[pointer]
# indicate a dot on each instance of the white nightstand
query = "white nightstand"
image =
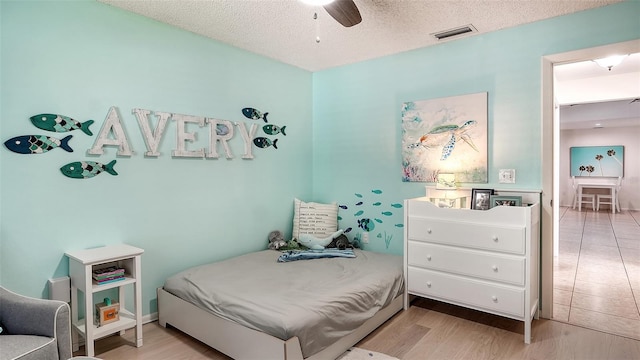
(81, 265)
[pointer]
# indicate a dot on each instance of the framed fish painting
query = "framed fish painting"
(445, 135)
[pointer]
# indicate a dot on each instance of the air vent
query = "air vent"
(454, 32)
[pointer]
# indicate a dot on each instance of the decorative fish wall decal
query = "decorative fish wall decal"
(263, 142)
(87, 169)
(60, 123)
(251, 113)
(37, 144)
(274, 129)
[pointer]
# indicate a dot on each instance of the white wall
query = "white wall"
(629, 137)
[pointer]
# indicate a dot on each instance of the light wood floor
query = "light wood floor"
(597, 272)
(428, 330)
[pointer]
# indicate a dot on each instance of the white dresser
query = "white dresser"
(485, 260)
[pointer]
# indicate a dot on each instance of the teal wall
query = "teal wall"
(357, 120)
(79, 58)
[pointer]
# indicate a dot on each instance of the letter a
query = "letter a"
(112, 124)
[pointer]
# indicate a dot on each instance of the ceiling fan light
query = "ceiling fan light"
(317, 2)
(610, 61)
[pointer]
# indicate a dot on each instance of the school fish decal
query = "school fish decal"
(87, 169)
(60, 123)
(37, 144)
(268, 129)
(263, 142)
(253, 114)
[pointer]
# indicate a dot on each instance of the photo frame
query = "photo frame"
(480, 199)
(497, 200)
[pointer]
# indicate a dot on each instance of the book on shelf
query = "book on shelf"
(118, 278)
(108, 276)
(107, 272)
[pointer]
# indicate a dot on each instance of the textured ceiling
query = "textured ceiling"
(285, 30)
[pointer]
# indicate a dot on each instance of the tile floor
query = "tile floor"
(597, 272)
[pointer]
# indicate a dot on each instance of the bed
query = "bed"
(254, 307)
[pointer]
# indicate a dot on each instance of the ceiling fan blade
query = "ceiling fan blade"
(345, 12)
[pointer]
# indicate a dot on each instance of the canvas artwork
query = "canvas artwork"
(597, 161)
(445, 135)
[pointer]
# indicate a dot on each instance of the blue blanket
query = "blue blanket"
(294, 255)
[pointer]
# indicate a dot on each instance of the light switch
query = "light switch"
(507, 176)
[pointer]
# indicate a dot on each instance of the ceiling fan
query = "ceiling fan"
(343, 11)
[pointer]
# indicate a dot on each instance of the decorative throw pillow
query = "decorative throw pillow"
(319, 220)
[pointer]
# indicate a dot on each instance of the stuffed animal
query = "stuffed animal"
(341, 243)
(276, 240)
(315, 243)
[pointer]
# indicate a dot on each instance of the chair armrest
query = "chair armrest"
(23, 315)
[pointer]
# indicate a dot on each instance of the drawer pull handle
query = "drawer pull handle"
(495, 268)
(428, 284)
(495, 238)
(494, 298)
(429, 257)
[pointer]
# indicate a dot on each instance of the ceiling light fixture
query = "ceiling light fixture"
(610, 61)
(317, 2)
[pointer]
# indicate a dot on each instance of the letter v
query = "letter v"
(151, 140)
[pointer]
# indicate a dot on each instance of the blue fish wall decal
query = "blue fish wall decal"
(37, 144)
(87, 169)
(263, 142)
(253, 114)
(60, 123)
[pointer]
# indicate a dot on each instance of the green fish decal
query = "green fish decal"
(87, 169)
(274, 129)
(60, 123)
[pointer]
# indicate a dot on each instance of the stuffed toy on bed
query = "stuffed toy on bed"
(341, 243)
(276, 240)
(315, 243)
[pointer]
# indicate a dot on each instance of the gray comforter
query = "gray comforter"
(319, 300)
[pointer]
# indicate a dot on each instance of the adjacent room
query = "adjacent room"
(240, 179)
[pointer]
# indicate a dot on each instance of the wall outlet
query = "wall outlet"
(365, 237)
(507, 176)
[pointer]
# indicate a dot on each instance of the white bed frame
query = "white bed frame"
(240, 342)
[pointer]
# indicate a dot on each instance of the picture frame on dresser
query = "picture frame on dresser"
(497, 200)
(480, 199)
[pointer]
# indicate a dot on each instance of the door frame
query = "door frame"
(550, 131)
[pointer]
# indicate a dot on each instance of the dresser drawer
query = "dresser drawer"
(477, 294)
(486, 237)
(494, 267)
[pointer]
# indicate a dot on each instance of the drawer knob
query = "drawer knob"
(428, 284)
(429, 257)
(428, 231)
(495, 238)
(495, 268)
(494, 298)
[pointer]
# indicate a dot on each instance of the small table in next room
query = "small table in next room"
(597, 185)
(81, 266)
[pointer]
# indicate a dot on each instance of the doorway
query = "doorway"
(551, 211)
